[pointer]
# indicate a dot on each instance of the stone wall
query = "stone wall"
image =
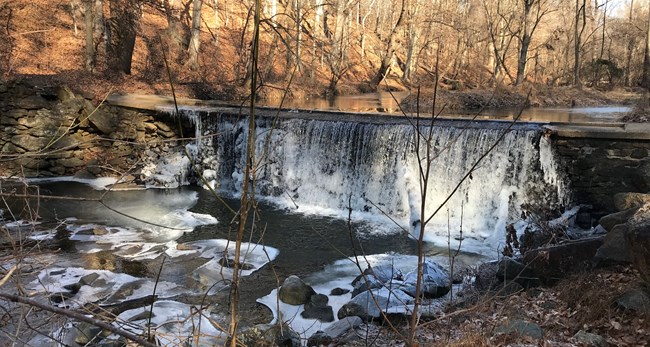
(598, 168)
(50, 131)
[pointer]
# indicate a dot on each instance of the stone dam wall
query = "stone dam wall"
(51, 131)
(601, 161)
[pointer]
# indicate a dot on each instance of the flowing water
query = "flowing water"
(327, 190)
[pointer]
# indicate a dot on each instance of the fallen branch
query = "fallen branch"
(78, 316)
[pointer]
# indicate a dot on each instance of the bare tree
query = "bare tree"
(90, 56)
(645, 80)
(533, 12)
(195, 40)
(579, 28)
(123, 24)
(391, 46)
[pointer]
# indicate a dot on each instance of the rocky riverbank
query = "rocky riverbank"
(51, 131)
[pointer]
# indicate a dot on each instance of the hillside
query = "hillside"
(45, 40)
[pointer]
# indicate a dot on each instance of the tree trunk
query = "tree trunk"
(387, 58)
(125, 16)
(630, 47)
(195, 40)
(580, 12)
(90, 56)
(645, 82)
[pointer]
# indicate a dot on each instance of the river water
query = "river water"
(315, 171)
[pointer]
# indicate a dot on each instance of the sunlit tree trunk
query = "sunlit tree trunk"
(391, 46)
(195, 40)
(90, 54)
(123, 25)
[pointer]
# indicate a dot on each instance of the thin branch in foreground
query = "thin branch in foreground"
(77, 316)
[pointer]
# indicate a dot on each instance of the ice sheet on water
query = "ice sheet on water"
(99, 183)
(222, 252)
(108, 288)
(173, 323)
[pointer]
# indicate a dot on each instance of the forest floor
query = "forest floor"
(584, 302)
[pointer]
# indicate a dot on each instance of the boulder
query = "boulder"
(361, 284)
(317, 308)
(486, 276)
(335, 331)
(103, 121)
(510, 269)
(638, 240)
(521, 328)
(611, 220)
(295, 292)
(384, 273)
(615, 248)
(339, 291)
(371, 303)
(637, 300)
(269, 335)
(555, 262)
(435, 281)
(584, 338)
(626, 201)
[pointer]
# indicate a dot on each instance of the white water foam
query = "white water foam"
(326, 167)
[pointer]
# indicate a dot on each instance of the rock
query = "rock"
(29, 142)
(269, 335)
(339, 291)
(352, 310)
(615, 248)
(435, 281)
(33, 102)
(88, 279)
(103, 121)
(611, 220)
(486, 276)
(636, 300)
(71, 162)
(317, 308)
(584, 338)
(384, 273)
(87, 332)
(371, 303)
(64, 94)
(510, 269)
(638, 239)
(342, 326)
(521, 328)
(557, 261)
(319, 339)
(367, 283)
(626, 201)
(295, 292)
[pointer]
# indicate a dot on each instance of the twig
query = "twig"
(77, 316)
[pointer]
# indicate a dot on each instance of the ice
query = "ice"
(100, 183)
(54, 280)
(213, 274)
(174, 323)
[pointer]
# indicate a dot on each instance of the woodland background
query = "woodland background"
(326, 47)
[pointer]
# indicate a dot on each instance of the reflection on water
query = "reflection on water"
(385, 102)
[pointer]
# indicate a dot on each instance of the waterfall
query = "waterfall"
(326, 167)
